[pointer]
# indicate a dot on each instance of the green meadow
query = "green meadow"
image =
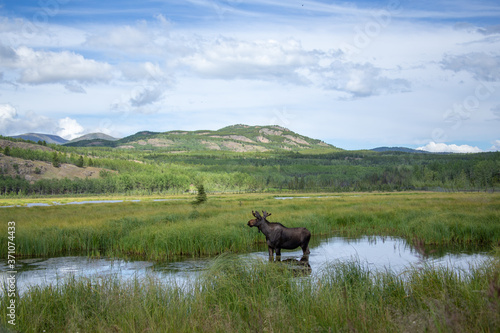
(160, 230)
(237, 296)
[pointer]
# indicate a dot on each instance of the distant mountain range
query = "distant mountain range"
(237, 138)
(399, 149)
(93, 136)
(41, 137)
(49, 138)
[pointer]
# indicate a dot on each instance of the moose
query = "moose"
(280, 237)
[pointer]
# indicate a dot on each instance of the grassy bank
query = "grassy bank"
(236, 296)
(158, 230)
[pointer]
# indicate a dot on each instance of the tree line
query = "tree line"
(143, 172)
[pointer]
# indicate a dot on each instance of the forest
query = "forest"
(126, 171)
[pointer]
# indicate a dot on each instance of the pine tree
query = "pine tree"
(56, 162)
(79, 162)
(202, 195)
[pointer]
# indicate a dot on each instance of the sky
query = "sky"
(355, 74)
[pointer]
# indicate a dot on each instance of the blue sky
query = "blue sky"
(356, 74)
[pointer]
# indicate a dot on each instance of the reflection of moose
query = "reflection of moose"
(280, 237)
(299, 267)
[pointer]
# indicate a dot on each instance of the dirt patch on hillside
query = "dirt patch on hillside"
(234, 137)
(36, 170)
(263, 139)
(156, 142)
(210, 145)
(297, 140)
(269, 131)
(241, 148)
(23, 145)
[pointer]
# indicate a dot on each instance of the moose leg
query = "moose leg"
(278, 253)
(271, 253)
(305, 250)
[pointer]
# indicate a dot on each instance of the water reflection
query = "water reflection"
(299, 267)
(376, 253)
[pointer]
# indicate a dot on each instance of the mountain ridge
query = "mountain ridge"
(94, 136)
(399, 149)
(35, 137)
(236, 138)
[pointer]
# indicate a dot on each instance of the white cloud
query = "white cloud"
(69, 128)
(123, 38)
(360, 80)
(39, 67)
(496, 146)
(229, 58)
(444, 148)
(481, 65)
(7, 113)
(144, 38)
(288, 62)
(74, 87)
(12, 123)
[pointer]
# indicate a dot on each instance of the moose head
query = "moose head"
(259, 219)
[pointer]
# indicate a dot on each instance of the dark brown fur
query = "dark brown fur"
(280, 237)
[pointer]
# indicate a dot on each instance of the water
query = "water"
(375, 253)
(55, 203)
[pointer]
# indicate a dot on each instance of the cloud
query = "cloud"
(145, 38)
(12, 123)
(146, 96)
(40, 67)
(496, 111)
(490, 30)
(360, 80)
(28, 66)
(7, 113)
(228, 58)
(481, 65)
(69, 128)
(444, 148)
(7, 53)
(121, 39)
(287, 61)
(496, 146)
(74, 87)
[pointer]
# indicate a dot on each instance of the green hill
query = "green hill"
(94, 136)
(236, 138)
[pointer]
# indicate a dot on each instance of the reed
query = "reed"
(160, 230)
(240, 296)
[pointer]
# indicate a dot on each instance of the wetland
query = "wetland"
(379, 262)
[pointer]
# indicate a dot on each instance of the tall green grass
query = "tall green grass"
(239, 296)
(159, 230)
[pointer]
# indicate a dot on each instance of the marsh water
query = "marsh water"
(374, 253)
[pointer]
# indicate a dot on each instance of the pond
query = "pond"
(55, 203)
(374, 253)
